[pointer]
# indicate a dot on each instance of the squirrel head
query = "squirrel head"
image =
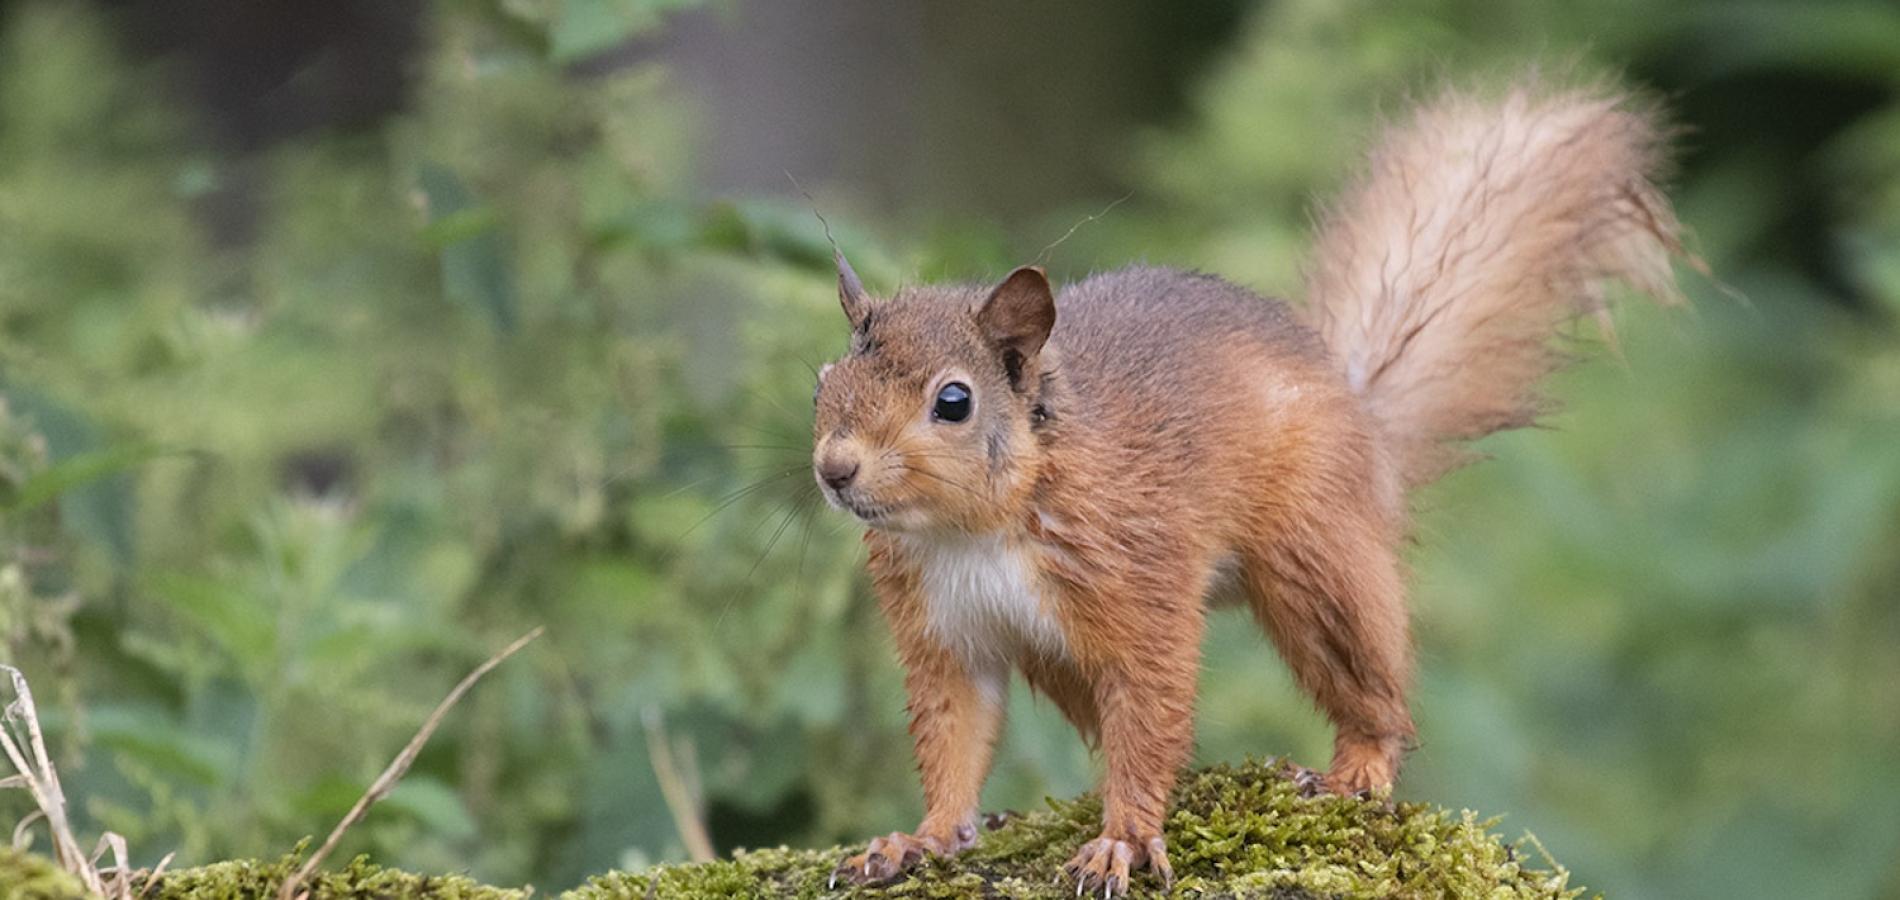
(935, 418)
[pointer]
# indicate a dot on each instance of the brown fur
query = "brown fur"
(1173, 428)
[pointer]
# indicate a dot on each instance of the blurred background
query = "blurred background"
(341, 342)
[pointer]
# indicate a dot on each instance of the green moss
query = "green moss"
(251, 880)
(28, 877)
(24, 876)
(1237, 831)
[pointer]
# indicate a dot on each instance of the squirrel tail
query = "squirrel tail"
(1480, 228)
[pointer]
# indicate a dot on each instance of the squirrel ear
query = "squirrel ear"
(851, 292)
(1019, 313)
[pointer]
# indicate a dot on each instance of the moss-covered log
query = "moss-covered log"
(27, 877)
(1237, 831)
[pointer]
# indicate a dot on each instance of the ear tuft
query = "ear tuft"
(851, 294)
(1019, 314)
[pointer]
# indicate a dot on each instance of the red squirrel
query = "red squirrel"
(1054, 482)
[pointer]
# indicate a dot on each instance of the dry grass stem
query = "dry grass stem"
(397, 768)
(20, 736)
(151, 880)
(679, 788)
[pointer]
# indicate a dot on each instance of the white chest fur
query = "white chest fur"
(984, 601)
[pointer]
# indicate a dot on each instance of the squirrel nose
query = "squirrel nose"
(838, 472)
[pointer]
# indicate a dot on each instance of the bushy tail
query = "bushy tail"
(1480, 228)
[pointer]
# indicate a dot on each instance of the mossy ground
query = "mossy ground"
(26, 877)
(1237, 831)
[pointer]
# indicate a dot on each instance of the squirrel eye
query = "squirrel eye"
(953, 403)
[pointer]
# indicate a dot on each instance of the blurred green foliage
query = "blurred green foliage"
(488, 368)
(498, 362)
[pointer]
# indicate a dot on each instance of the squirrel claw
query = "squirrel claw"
(1310, 783)
(1103, 864)
(884, 860)
(1158, 861)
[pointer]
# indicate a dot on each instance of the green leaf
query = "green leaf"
(97, 507)
(155, 739)
(437, 806)
(587, 27)
(460, 225)
(476, 271)
(238, 622)
(76, 471)
(780, 231)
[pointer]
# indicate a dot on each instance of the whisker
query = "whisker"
(793, 436)
(617, 475)
(790, 416)
(788, 447)
(941, 478)
(747, 469)
(773, 541)
(926, 454)
(804, 543)
(738, 495)
(726, 607)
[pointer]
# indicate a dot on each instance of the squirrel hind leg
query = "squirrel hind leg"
(1332, 599)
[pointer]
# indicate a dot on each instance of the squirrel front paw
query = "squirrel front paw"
(1363, 768)
(1102, 865)
(892, 855)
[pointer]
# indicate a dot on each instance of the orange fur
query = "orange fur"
(1118, 448)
